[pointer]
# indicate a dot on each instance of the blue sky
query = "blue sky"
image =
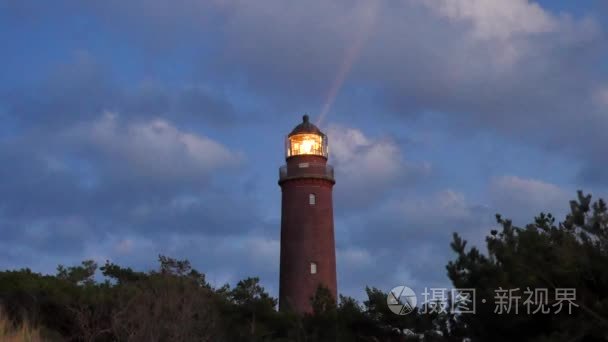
(133, 129)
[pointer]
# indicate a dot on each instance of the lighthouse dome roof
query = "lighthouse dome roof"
(306, 127)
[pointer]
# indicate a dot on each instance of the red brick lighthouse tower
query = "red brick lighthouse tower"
(308, 253)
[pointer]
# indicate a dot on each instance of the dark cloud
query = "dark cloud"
(65, 188)
(82, 89)
(405, 241)
(513, 68)
(70, 92)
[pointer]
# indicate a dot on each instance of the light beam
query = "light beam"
(370, 9)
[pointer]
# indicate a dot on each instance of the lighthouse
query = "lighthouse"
(308, 252)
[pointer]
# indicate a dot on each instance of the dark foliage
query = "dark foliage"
(572, 254)
(175, 303)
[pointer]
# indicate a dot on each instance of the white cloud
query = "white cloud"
(516, 31)
(497, 19)
(156, 147)
(363, 158)
(367, 167)
(440, 207)
(524, 197)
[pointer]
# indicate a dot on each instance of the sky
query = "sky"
(147, 127)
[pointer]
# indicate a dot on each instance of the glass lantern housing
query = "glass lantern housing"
(306, 144)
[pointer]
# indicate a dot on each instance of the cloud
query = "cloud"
(405, 241)
(498, 19)
(83, 86)
(412, 232)
(367, 168)
(510, 67)
(447, 204)
(523, 198)
(431, 216)
(113, 179)
(155, 148)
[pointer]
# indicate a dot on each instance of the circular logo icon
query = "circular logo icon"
(401, 300)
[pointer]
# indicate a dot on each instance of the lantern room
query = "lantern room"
(306, 139)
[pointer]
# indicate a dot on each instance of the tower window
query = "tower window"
(312, 199)
(313, 268)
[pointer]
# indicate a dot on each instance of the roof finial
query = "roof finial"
(305, 118)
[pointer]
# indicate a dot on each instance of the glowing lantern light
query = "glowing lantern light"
(306, 139)
(306, 146)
